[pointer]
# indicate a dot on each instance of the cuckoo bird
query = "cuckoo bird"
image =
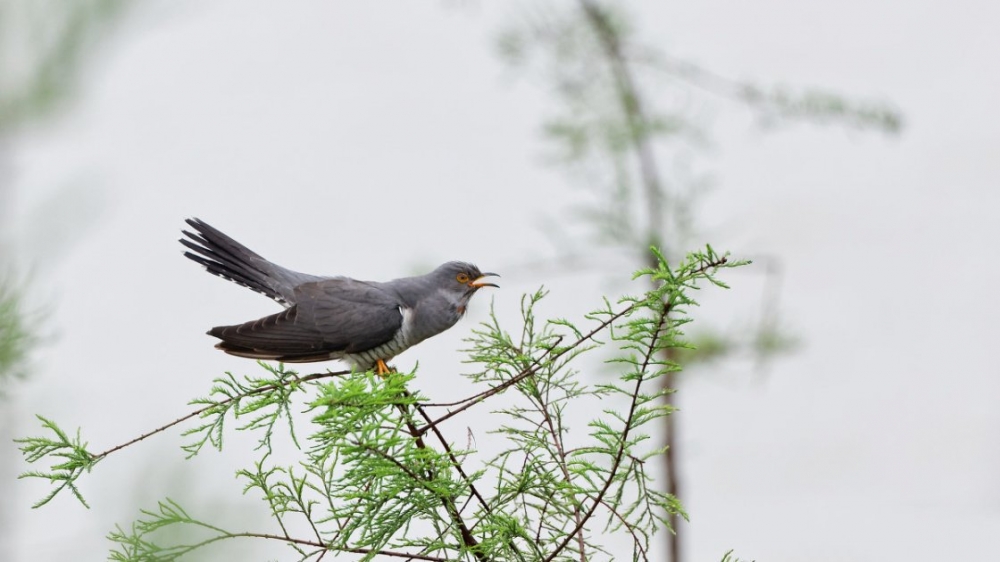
(364, 323)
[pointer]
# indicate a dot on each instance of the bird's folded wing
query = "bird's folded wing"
(282, 333)
(333, 315)
(351, 315)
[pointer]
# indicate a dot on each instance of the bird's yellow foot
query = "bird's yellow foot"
(381, 368)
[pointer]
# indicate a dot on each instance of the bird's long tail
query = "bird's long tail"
(227, 258)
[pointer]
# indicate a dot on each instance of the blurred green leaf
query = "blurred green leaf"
(44, 45)
(17, 337)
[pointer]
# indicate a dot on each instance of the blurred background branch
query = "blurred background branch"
(624, 108)
(44, 47)
(17, 336)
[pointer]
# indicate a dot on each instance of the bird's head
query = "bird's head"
(461, 278)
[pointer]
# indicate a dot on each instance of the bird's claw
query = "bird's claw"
(382, 369)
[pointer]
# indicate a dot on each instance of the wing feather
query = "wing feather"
(331, 316)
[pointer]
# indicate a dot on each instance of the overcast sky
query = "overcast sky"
(374, 140)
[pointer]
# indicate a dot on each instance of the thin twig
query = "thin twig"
(468, 539)
(612, 473)
(530, 370)
(303, 542)
(200, 411)
(491, 391)
(561, 454)
(461, 471)
(626, 524)
(454, 461)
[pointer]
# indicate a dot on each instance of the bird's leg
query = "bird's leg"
(381, 368)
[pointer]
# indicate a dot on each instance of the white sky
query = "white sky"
(373, 139)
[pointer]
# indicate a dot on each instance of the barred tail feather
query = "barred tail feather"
(227, 258)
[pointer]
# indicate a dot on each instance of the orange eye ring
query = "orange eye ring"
(462, 278)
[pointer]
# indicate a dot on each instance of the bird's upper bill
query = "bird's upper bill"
(478, 282)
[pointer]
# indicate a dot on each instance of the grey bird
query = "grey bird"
(364, 323)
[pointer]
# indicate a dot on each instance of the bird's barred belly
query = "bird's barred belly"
(398, 344)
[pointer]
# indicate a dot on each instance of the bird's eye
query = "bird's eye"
(462, 277)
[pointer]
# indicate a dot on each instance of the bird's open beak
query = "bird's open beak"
(478, 283)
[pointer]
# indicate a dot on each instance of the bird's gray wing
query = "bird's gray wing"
(330, 316)
(352, 315)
